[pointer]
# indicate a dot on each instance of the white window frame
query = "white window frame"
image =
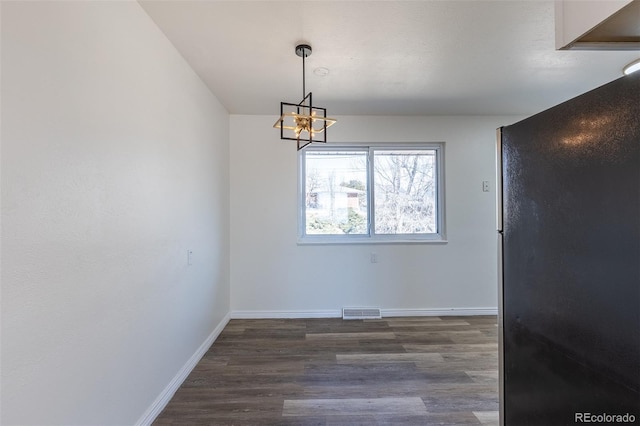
(371, 237)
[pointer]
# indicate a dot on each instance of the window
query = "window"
(373, 193)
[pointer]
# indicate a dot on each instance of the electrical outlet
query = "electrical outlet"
(485, 186)
(374, 257)
(189, 257)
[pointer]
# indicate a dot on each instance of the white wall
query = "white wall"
(115, 162)
(272, 275)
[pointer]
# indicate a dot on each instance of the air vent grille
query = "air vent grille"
(361, 313)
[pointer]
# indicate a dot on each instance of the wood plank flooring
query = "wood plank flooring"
(394, 371)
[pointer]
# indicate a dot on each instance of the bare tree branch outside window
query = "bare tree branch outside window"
(405, 196)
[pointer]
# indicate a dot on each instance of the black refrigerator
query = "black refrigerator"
(569, 241)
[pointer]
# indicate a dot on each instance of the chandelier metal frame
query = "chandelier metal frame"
(303, 122)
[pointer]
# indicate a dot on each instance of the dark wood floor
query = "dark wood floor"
(394, 371)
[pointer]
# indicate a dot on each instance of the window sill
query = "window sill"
(366, 241)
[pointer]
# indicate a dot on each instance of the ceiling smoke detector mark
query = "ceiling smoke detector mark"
(321, 71)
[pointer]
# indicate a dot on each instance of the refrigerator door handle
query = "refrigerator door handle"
(499, 224)
(501, 415)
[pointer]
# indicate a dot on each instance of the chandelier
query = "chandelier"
(303, 122)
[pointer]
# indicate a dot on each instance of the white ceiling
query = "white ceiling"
(384, 57)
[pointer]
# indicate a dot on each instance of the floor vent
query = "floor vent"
(361, 313)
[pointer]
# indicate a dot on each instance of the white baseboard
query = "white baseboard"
(165, 396)
(442, 312)
(385, 313)
(285, 314)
